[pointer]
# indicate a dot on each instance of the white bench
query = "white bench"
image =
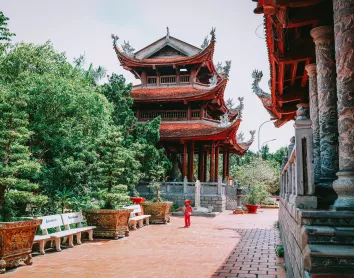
(76, 218)
(53, 221)
(137, 220)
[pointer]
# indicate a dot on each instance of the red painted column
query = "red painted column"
(227, 164)
(224, 165)
(212, 162)
(201, 163)
(216, 163)
(205, 165)
(191, 161)
(184, 167)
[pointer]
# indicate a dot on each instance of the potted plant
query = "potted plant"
(113, 163)
(157, 208)
(256, 194)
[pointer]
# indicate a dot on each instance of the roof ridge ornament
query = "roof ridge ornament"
(219, 67)
(240, 107)
(213, 81)
(205, 43)
(167, 33)
(212, 33)
(252, 132)
(257, 77)
(240, 137)
(128, 49)
(226, 68)
(224, 120)
(115, 38)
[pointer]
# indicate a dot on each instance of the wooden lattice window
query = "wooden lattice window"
(184, 78)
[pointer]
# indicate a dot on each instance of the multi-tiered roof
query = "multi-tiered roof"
(180, 83)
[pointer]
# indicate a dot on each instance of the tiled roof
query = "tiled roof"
(190, 129)
(177, 93)
(204, 130)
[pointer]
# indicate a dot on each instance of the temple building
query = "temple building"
(181, 84)
(310, 49)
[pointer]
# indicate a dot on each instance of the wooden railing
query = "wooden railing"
(168, 79)
(169, 115)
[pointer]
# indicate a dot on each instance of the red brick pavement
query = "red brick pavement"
(226, 246)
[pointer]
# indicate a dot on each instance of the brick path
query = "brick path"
(225, 246)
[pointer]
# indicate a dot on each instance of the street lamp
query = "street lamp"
(267, 142)
(259, 133)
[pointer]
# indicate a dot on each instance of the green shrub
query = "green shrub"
(279, 250)
(256, 194)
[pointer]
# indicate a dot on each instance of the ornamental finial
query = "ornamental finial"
(205, 43)
(212, 33)
(252, 132)
(227, 67)
(240, 107)
(128, 49)
(167, 32)
(115, 38)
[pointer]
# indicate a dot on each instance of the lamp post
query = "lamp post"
(267, 142)
(259, 133)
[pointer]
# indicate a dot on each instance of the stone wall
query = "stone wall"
(291, 238)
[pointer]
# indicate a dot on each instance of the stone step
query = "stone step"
(328, 218)
(330, 259)
(330, 235)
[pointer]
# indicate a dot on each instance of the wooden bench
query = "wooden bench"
(136, 217)
(53, 221)
(77, 219)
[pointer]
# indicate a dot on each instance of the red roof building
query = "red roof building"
(180, 83)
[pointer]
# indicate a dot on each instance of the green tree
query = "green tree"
(5, 34)
(17, 166)
(117, 169)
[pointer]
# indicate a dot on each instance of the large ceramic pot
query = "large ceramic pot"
(109, 222)
(159, 211)
(16, 239)
(252, 208)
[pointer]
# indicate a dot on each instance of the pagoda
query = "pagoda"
(181, 84)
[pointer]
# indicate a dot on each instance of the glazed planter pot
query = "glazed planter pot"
(137, 200)
(252, 208)
(16, 242)
(109, 222)
(159, 211)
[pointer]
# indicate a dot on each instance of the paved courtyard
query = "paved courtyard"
(225, 246)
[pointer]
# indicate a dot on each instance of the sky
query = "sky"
(85, 26)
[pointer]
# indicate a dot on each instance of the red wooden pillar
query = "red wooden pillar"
(224, 165)
(201, 163)
(227, 164)
(216, 163)
(205, 165)
(184, 166)
(191, 161)
(212, 162)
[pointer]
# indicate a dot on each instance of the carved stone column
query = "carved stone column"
(327, 103)
(314, 116)
(344, 47)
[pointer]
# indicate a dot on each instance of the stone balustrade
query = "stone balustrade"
(297, 174)
(211, 193)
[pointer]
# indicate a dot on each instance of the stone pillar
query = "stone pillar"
(314, 116)
(344, 47)
(328, 119)
(305, 188)
(290, 169)
(327, 101)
